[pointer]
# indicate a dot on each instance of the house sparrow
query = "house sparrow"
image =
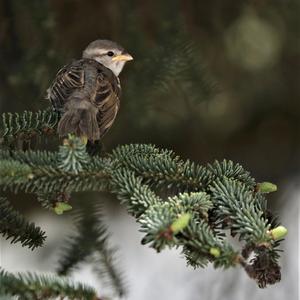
(87, 91)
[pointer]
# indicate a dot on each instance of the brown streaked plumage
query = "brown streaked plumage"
(87, 91)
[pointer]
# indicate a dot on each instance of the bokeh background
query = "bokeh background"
(211, 80)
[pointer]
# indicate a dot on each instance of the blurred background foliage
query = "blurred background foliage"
(210, 79)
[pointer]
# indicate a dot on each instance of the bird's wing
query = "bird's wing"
(91, 79)
(107, 99)
(67, 80)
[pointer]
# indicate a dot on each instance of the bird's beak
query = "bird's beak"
(122, 57)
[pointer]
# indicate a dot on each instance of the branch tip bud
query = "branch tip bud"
(278, 232)
(215, 251)
(180, 223)
(61, 207)
(266, 187)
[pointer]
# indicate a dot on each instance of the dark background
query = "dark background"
(210, 79)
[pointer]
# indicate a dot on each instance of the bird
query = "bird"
(86, 92)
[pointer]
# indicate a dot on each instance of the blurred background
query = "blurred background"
(210, 79)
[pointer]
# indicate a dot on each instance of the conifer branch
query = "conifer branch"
(90, 244)
(105, 266)
(14, 226)
(28, 124)
(202, 202)
(162, 168)
(72, 155)
(241, 209)
(31, 286)
(40, 172)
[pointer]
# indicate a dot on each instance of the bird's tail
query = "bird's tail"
(80, 118)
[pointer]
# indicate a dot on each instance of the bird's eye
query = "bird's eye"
(110, 53)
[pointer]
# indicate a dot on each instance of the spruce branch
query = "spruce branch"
(228, 169)
(202, 202)
(239, 206)
(158, 216)
(39, 173)
(14, 226)
(106, 265)
(31, 286)
(160, 167)
(28, 124)
(54, 201)
(90, 243)
(200, 243)
(132, 192)
(199, 203)
(203, 245)
(156, 224)
(72, 156)
(14, 173)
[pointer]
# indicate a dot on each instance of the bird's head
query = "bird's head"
(107, 53)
